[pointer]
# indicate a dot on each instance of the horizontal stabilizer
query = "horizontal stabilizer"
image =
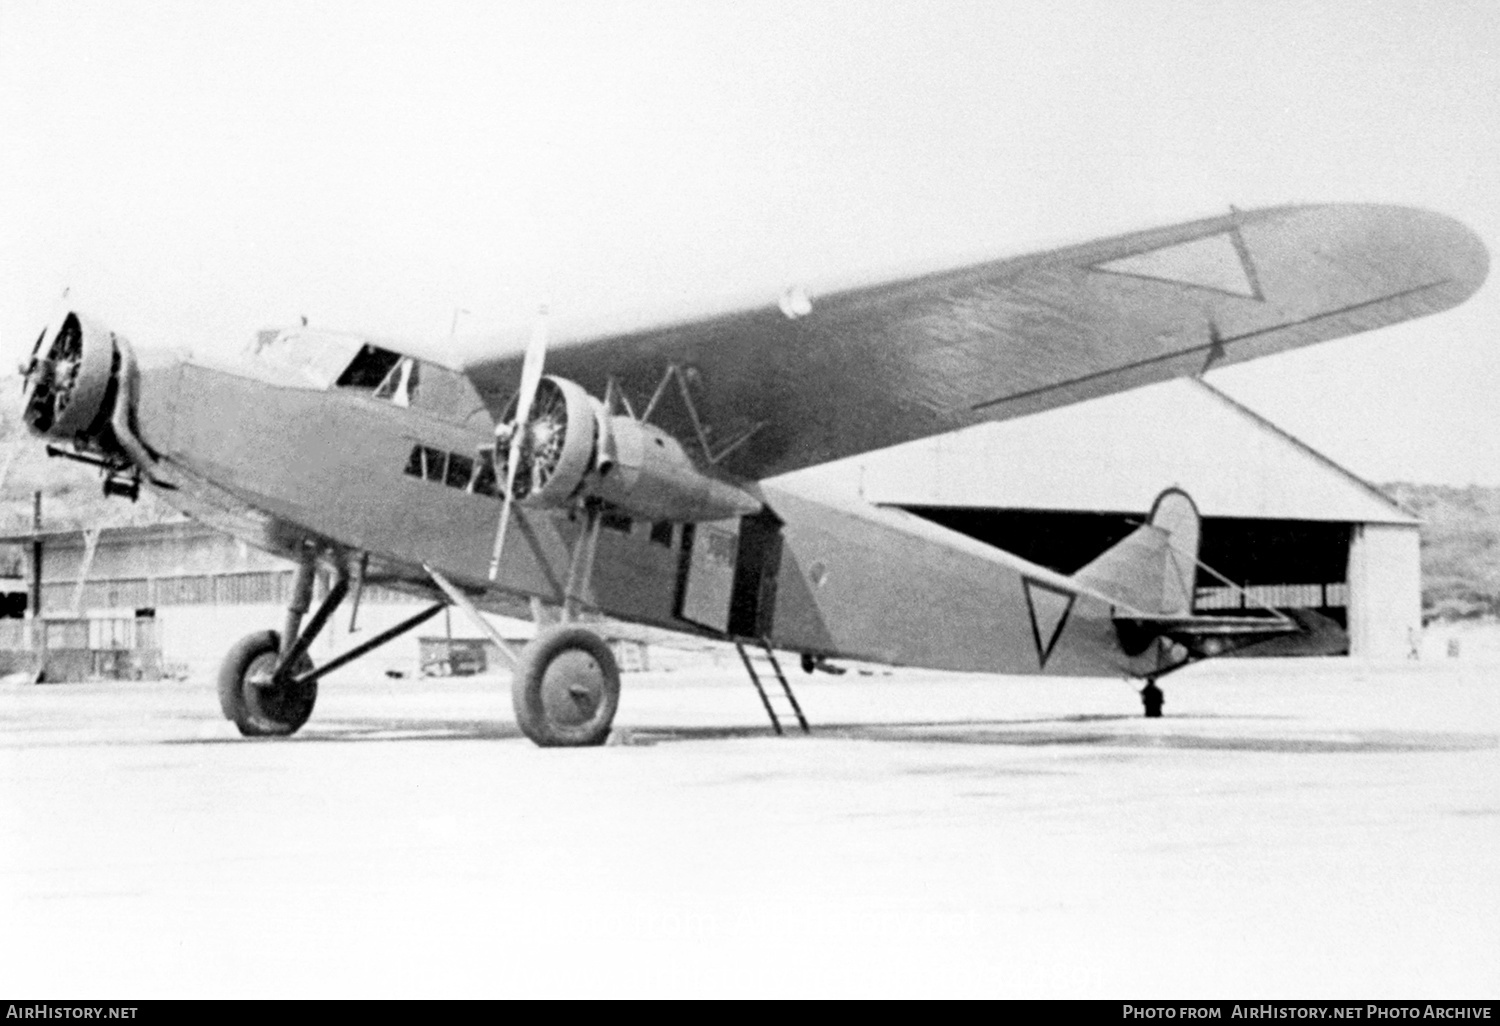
(1205, 636)
(1289, 632)
(1316, 635)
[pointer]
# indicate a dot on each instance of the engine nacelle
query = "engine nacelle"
(575, 448)
(70, 383)
(650, 474)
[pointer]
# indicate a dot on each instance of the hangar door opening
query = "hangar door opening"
(1285, 564)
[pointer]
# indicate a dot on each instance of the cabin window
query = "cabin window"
(484, 474)
(460, 469)
(475, 474)
(369, 368)
(661, 532)
(615, 520)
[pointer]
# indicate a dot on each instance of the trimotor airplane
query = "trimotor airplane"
(636, 479)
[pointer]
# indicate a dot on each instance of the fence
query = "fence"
(82, 648)
(1278, 596)
(264, 586)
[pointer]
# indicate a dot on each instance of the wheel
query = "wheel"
(250, 697)
(566, 689)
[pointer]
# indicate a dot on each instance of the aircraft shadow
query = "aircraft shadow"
(1083, 731)
(379, 730)
(1174, 734)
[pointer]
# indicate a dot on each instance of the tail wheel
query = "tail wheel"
(252, 696)
(566, 689)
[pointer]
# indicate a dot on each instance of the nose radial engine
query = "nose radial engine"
(71, 381)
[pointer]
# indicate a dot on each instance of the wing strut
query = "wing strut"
(581, 565)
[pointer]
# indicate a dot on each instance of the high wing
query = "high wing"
(817, 374)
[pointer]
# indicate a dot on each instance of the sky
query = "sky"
(193, 172)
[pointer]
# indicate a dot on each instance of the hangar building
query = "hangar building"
(1282, 522)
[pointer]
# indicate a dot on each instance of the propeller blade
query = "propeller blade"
(531, 380)
(500, 538)
(516, 442)
(531, 366)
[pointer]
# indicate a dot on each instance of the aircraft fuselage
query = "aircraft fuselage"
(283, 466)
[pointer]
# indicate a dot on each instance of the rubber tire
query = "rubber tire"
(263, 711)
(560, 659)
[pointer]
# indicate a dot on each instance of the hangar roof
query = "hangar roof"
(1115, 454)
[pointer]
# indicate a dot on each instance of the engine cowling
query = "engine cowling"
(70, 384)
(560, 447)
(651, 474)
(574, 448)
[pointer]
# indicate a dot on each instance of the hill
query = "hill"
(72, 496)
(1460, 548)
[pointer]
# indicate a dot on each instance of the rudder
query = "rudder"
(1154, 568)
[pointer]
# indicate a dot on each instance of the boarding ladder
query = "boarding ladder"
(757, 652)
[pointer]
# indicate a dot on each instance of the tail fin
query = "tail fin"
(1154, 567)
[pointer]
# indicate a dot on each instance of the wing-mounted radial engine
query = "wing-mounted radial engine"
(559, 446)
(571, 448)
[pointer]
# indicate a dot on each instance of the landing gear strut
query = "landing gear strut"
(565, 684)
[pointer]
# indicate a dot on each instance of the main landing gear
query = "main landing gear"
(566, 688)
(267, 683)
(565, 684)
(259, 699)
(265, 686)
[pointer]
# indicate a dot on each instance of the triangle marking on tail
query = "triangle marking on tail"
(1049, 607)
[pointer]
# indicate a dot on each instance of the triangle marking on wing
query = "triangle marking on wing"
(1049, 608)
(1220, 263)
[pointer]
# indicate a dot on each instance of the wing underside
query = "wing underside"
(810, 377)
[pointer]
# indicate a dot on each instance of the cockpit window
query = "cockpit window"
(400, 384)
(315, 356)
(389, 375)
(369, 368)
(326, 360)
